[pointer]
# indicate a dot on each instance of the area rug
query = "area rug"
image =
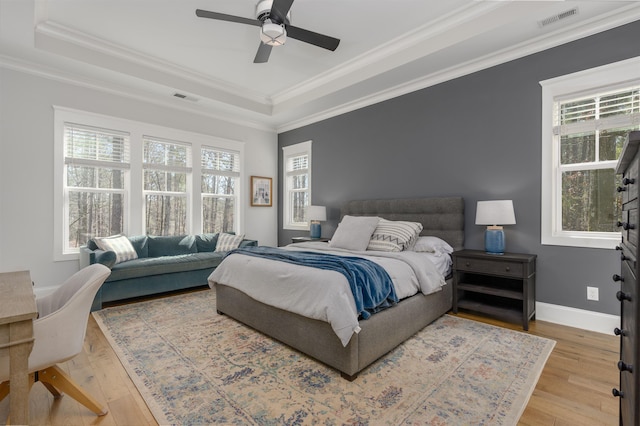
(193, 366)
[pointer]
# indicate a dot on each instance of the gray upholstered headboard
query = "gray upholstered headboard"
(441, 217)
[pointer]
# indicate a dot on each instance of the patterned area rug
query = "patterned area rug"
(193, 366)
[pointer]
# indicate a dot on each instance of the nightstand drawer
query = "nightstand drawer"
(491, 267)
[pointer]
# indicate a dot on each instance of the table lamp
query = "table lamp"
(316, 214)
(494, 214)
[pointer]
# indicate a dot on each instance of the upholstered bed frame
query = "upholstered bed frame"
(440, 217)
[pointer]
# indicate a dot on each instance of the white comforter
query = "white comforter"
(321, 294)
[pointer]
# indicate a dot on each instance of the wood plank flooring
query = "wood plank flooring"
(574, 388)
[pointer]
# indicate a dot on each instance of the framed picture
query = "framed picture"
(261, 191)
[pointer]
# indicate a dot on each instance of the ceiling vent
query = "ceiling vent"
(185, 97)
(555, 18)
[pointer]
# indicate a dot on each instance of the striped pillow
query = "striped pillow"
(394, 235)
(228, 242)
(120, 245)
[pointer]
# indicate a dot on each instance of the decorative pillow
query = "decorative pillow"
(433, 245)
(120, 245)
(228, 242)
(394, 235)
(354, 232)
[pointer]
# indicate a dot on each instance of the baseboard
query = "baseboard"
(579, 318)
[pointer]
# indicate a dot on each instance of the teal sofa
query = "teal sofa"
(164, 263)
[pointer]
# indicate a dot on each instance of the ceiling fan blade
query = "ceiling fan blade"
(262, 56)
(311, 37)
(279, 10)
(224, 17)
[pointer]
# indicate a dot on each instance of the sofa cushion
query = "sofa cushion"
(120, 245)
(141, 244)
(206, 242)
(171, 245)
(165, 265)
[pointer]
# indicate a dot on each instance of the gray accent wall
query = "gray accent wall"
(478, 137)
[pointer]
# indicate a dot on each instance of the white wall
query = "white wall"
(27, 166)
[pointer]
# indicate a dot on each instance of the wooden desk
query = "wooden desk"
(17, 312)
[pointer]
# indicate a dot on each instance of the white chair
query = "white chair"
(59, 334)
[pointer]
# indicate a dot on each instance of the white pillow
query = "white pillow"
(228, 242)
(354, 232)
(394, 235)
(120, 245)
(433, 245)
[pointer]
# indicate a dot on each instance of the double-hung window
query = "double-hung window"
(297, 185)
(167, 174)
(95, 183)
(587, 125)
(220, 175)
(117, 176)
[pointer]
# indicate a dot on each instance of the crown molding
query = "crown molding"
(50, 73)
(593, 26)
(59, 39)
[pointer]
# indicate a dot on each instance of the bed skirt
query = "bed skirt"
(379, 334)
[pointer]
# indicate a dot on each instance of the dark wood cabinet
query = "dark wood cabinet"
(499, 285)
(627, 294)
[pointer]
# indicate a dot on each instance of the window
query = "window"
(166, 166)
(297, 185)
(220, 173)
(586, 119)
(96, 163)
(116, 176)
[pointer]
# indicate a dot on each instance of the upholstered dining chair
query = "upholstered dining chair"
(59, 333)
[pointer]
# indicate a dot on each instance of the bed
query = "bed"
(441, 217)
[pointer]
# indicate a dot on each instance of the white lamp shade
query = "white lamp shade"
(495, 212)
(318, 213)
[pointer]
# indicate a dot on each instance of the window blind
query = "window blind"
(94, 146)
(600, 111)
(163, 154)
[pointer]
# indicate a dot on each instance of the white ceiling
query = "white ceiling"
(151, 49)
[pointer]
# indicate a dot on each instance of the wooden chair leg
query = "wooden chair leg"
(4, 390)
(54, 377)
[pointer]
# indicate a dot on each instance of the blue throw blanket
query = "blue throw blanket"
(370, 284)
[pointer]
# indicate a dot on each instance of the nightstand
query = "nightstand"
(503, 286)
(306, 239)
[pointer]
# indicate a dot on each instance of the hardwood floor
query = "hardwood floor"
(574, 388)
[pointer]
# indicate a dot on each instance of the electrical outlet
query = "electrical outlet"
(592, 293)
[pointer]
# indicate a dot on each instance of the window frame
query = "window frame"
(133, 216)
(233, 174)
(299, 149)
(604, 78)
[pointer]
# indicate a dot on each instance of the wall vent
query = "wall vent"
(555, 18)
(185, 97)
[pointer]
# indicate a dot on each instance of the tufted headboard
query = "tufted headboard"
(441, 217)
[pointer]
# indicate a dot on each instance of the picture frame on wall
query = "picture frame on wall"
(261, 191)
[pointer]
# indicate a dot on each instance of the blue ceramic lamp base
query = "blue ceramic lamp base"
(315, 230)
(494, 240)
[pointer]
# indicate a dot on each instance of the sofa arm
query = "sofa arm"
(89, 257)
(247, 243)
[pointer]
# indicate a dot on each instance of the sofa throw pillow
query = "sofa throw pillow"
(394, 235)
(228, 242)
(120, 245)
(354, 232)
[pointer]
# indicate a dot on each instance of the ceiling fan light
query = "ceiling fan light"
(273, 34)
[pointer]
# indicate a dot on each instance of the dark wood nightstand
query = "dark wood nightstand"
(499, 285)
(306, 239)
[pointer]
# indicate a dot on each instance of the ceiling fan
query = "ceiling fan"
(273, 18)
